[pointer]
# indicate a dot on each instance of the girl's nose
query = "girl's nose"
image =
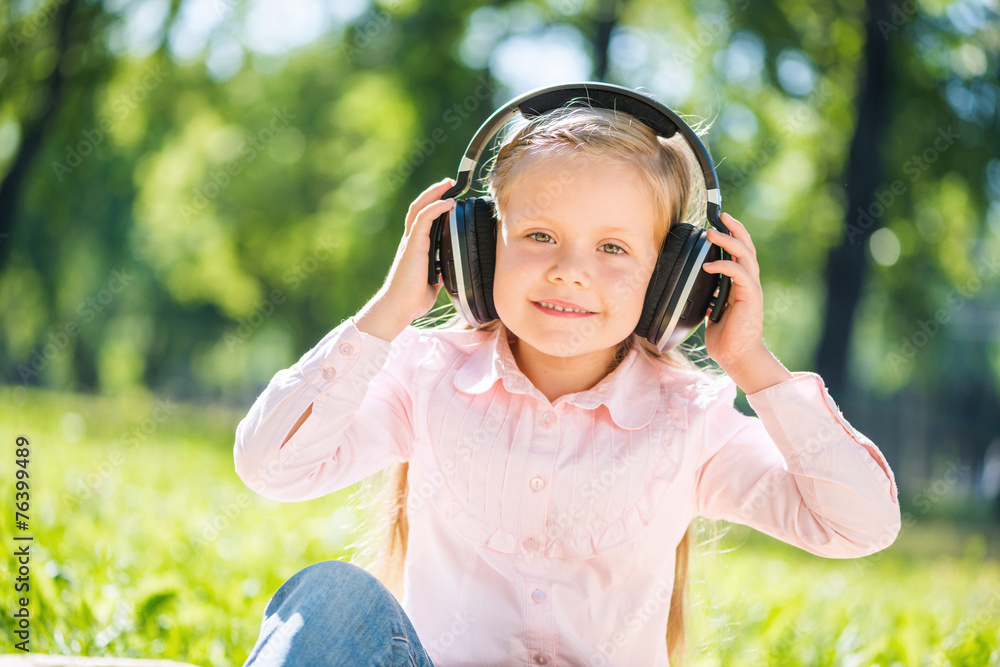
(571, 266)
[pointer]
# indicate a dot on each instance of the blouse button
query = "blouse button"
(329, 373)
(346, 349)
(538, 596)
(530, 544)
(541, 658)
(548, 418)
(537, 483)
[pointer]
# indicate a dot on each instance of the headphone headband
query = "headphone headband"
(658, 117)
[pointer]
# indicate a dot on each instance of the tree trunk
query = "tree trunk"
(607, 17)
(12, 186)
(847, 264)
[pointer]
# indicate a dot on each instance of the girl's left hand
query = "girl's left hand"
(739, 333)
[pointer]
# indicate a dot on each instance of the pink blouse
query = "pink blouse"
(545, 533)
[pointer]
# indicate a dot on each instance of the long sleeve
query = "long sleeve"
(799, 472)
(360, 422)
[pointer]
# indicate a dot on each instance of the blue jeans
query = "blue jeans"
(336, 613)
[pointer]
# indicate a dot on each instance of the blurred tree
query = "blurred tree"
(197, 205)
(188, 230)
(606, 20)
(46, 95)
(847, 265)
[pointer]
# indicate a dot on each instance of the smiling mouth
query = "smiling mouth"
(561, 309)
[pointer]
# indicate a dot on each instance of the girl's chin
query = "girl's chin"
(560, 346)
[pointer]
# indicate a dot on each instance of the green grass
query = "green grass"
(147, 544)
(932, 598)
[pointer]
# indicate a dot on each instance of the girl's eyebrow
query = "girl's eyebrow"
(523, 221)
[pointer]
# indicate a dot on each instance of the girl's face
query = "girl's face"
(577, 233)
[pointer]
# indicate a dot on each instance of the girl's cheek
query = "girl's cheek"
(523, 261)
(628, 284)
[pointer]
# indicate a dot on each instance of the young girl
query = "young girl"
(549, 464)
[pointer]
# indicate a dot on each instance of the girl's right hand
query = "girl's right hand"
(406, 285)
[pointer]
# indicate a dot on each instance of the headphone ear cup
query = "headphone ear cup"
(486, 232)
(665, 274)
(669, 279)
(701, 295)
(481, 245)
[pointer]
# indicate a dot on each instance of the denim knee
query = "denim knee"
(336, 613)
(319, 579)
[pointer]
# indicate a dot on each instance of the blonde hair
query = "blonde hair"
(673, 179)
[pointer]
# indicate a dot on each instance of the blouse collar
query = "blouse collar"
(631, 392)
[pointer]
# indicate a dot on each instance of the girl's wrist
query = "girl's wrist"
(757, 370)
(381, 318)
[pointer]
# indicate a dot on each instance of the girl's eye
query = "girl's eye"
(534, 234)
(618, 250)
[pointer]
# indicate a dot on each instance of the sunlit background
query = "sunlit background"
(193, 192)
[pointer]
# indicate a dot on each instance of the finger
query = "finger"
(743, 280)
(739, 231)
(429, 214)
(730, 244)
(429, 195)
(737, 250)
(426, 197)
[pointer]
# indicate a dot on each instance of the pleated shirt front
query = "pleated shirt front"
(544, 533)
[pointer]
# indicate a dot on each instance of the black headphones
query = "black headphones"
(679, 294)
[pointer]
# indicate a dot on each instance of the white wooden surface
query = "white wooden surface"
(45, 660)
